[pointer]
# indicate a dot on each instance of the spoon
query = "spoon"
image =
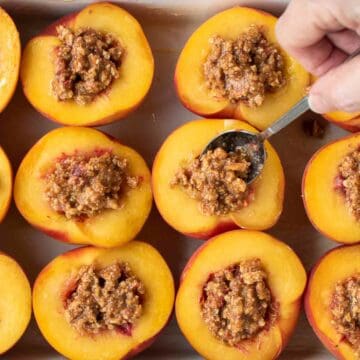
(253, 143)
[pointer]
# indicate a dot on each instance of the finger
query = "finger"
(345, 40)
(319, 58)
(339, 89)
(302, 28)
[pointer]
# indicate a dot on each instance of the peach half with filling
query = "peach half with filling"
(81, 186)
(10, 52)
(202, 214)
(331, 189)
(96, 303)
(88, 68)
(6, 179)
(15, 302)
(232, 66)
(332, 301)
(240, 296)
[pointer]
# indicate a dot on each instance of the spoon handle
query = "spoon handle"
(297, 110)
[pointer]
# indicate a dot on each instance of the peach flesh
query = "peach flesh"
(6, 178)
(15, 302)
(10, 52)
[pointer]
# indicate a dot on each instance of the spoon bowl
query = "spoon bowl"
(248, 142)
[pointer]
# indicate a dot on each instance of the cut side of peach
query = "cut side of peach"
(108, 228)
(337, 265)
(15, 302)
(10, 50)
(183, 213)
(190, 81)
(324, 204)
(5, 184)
(286, 280)
(347, 121)
(125, 93)
(147, 265)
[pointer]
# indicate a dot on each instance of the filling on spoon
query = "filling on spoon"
(217, 180)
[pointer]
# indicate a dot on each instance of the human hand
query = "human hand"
(321, 34)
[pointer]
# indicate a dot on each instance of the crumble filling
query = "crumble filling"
(105, 299)
(87, 62)
(244, 69)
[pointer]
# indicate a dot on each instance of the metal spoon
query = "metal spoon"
(253, 143)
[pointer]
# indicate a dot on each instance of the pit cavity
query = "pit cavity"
(244, 69)
(107, 298)
(83, 185)
(236, 303)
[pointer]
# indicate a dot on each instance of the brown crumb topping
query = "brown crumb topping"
(216, 179)
(236, 302)
(83, 185)
(87, 62)
(349, 170)
(244, 69)
(345, 310)
(105, 299)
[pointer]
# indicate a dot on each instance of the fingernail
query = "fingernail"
(319, 104)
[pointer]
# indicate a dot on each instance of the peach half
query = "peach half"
(6, 178)
(183, 213)
(107, 228)
(286, 279)
(57, 278)
(347, 121)
(190, 80)
(335, 266)
(323, 200)
(10, 51)
(125, 94)
(15, 302)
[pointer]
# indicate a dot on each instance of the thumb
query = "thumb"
(338, 89)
